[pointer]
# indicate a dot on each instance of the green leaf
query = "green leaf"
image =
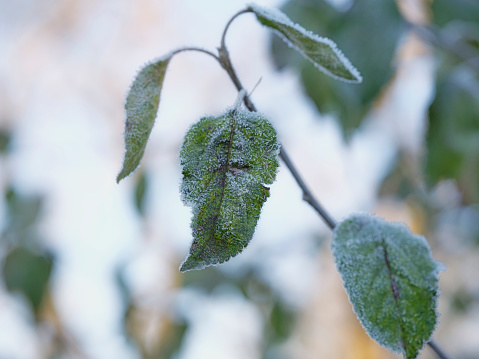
(29, 273)
(141, 107)
(321, 51)
(227, 162)
(391, 279)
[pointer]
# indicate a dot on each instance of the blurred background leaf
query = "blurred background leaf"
(4, 141)
(453, 135)
(28, 273)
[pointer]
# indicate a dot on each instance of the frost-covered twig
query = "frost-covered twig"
(225, 61)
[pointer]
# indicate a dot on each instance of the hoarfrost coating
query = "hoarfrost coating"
(141, 108)
(321, 51)
(391, 279)
(227, 163)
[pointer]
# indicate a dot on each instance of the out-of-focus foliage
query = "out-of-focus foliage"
(140, 192)
(368, 33)
(4, 141)
(27, 272)
(27, 265)
(453, 136)
(279, 318)
(446, 11)
(22, 218)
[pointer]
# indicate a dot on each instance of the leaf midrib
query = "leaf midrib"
(223, 181)
(395, 296)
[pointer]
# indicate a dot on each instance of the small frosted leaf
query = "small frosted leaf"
(141, 107)
(391, 279)
(321, 51)
(227, 162)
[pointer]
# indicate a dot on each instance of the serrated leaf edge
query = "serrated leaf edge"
(440, 267)
(284, 20)
(165, 58)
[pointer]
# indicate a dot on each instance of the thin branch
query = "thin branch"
(307, 195)
(433, 345)
(225, 61)
(197, 49)
(223, 37)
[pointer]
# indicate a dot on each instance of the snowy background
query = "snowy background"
(65, 66)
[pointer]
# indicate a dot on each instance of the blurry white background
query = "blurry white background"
(65, 67)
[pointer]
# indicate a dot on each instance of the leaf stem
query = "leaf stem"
(223, 37)
(197, 49)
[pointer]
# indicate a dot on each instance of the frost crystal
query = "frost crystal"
(391, 279)
(321, 51)
(141, 107)
(227, 162)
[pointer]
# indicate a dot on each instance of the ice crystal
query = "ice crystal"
(391, 279)
(227, 161)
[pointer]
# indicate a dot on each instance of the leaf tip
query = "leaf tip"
(119, 177)
(191, 263)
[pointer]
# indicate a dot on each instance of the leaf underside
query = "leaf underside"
(141, 107)
(227, 162)
(391, 280)
(321, 51)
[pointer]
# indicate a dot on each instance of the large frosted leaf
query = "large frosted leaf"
(391, 279)
(227, 163)
(321, 51)
(141, 107)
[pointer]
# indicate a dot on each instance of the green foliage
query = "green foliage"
(27, 266)
(391, 279)
(27, 272)
(227, 161)
(4, 141)
(453, 136)
(140, 192)
(368, 32)
(141, 107)
(22, 215)
(322, 52)
(445, 11)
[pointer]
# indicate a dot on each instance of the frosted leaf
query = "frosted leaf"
(227, 162)
(321, 51)
(391, 279)
(141, 107)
